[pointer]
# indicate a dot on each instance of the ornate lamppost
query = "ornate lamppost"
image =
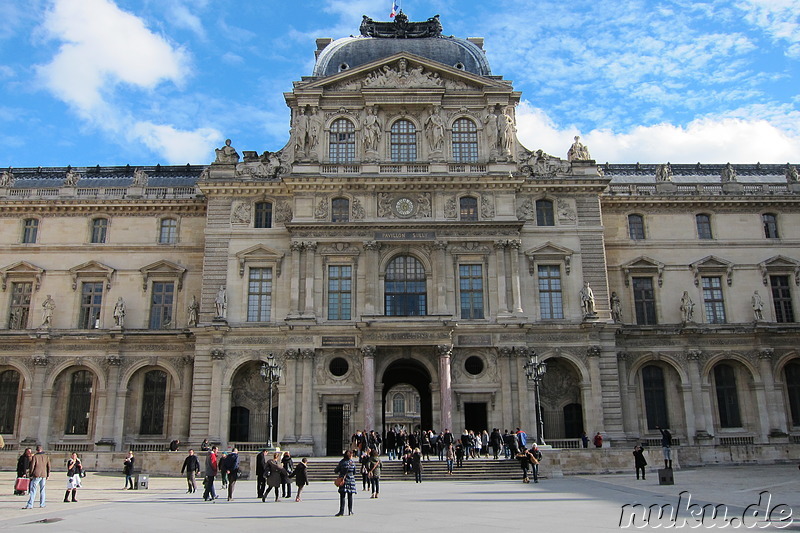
(271, 374)
(535, 371)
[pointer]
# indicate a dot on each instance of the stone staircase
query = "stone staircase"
(474, 469)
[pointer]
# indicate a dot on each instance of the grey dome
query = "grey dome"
(351, 52)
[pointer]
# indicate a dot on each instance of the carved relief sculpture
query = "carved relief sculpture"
(372, 131)
(7, 178)
(227, 154)
(241, 213)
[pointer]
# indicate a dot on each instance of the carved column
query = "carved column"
(369, 386)
(288, 401)
(500, 258)
(593, 354)
(773, 404)
(699, 412)
(311, 249)
(516, 294)
(505, 355)
(371, 272)
(214, 415)
(109, 417)
(441, 271)
(294, 288)
(445, 389)
(307, 357)
(42, 401)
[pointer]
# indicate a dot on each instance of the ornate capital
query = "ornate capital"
(505, 351)
(307, 353)
(514, 244)
(500, 244)
(40, 360)
(623, 356)
(291, 353)
(440, 245)
(593, 351)
(694, 355)
(368, 350)
(187, 359)
(766, 353)
(113, 360)
(523, 351)
(444, 350)
(372, 246)
(296, 246)
(218, 355)
(310, 246)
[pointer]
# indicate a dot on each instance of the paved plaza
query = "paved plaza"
(573, 503)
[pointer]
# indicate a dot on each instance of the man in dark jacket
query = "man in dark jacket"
(231, 466)
(191, 466)
(261, 473)
(211, 472)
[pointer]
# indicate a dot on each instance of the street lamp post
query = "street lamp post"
(535, 371)
(271, 374)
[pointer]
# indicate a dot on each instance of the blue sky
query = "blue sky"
(86, 82)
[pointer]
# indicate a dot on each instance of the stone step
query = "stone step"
(504, 469)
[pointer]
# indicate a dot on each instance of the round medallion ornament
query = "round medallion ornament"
(404, 207)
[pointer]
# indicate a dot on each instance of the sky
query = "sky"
(145, 82)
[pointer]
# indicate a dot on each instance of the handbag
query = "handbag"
(339, 481)
(22, 484)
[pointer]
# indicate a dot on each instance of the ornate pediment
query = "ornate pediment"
(91, 270)
(163, 269)
(549, 252)
(643, 265)
(712, 265)
(22, 269)
(779, 264)
(260, 254)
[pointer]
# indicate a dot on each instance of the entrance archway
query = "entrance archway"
(409, 372)
(249, 400)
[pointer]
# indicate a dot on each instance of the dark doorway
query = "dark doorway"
(573, 421)
(475, 417)
(412, 373)
(240, 424)
(338, 423)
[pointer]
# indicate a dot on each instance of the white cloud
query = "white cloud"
(709, 139)
(778, 18)
(176, 145)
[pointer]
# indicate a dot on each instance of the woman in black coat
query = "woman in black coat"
(23, 464)
(300, 474)
(639, 460)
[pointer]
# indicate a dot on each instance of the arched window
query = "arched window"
(636, 227)
(79, 403)
(30, 230)
(9, 392)
(405, 287)
(154, 394)
(399, 404)
(168, 231)
(727, 396)
(792, 373)
(99, 230)
(340, 210)
(465, 141)
(703, 226)
(468, 208)
(263, 215)
(342, 143)
(544, 213)
(655, 397)
(404, 142)
(770, 221)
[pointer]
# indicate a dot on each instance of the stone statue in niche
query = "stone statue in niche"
(507, 131)
(616, 308)
(434, 130)
(300, 131)
(315, 128)
(191, 312)
(492, 130)
(372, 130)
(664, 172)
(728, 173)
(587, 300)
(221, 303)
(758, 307)
(578, 151)
(227, 154)
(687, 308)
(48, 306)
(119, 313)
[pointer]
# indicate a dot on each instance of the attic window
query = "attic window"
(343, 66)
(459, 66)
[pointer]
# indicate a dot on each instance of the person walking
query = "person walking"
(231, 467)
(374, 466)
(127, 469)
(223, 473)
(74, 472)
(261, 473)
(346, 469)
(536, 458)
(38, 472)
(191, 466)
(212, 466)
(524, 462)
(496, 440)
(301, 476)
(274, 477)
(23, 465)
(416, 465)
(639, 461)
(288, 468)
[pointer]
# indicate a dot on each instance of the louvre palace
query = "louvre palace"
(403, 260)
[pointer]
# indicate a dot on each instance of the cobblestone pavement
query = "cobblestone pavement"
(574, 503)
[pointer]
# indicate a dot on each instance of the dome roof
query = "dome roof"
(351, 52)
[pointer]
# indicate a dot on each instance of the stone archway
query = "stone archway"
(409, 372)
(560, 393)
(249, 406)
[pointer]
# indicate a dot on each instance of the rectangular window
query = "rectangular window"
(99, 230)
(263, 215)
(644, 300)
(782, 298)
(713, 302)
(91, 304)
(20, 307)
(161, 305)
(168, 231)
(550, 301)
(259, 295)
(636, 227)
(340, 295)
(471, 290)
(703, 226)
(30, 230)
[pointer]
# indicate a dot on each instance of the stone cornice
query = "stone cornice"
(192, 207)
(625, 203)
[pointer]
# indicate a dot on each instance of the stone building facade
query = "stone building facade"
(402, 243)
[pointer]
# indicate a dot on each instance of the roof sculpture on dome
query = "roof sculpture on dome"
(401, 28)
